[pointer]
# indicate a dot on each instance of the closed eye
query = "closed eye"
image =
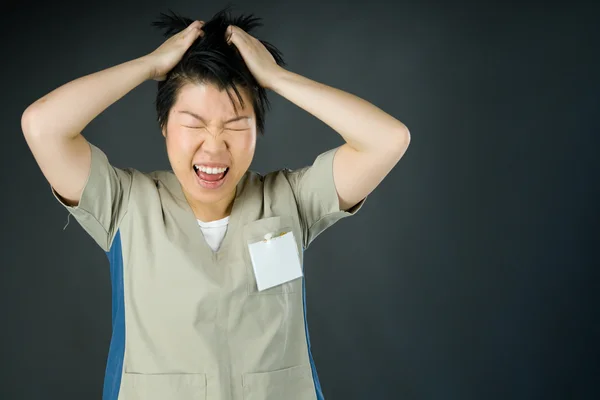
(228, 129)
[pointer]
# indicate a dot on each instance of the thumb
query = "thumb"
(194, 29)
(229, 34)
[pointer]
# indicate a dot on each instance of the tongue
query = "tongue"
(210, 177)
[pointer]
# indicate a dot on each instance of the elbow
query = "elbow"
(34, 125)
(401, 141)
(30, 121)
(27, 122)
(405, 137)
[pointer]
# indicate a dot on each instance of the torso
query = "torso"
(193, 313)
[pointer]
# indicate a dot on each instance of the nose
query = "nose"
(213, 143)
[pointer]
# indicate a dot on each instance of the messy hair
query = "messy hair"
(211, 60)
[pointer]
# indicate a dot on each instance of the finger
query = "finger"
(199, 27)
(196, 23)
(228, 34)
(194, 30)
(192, 27)
(184, 33)
(239, 36)
(231, 34)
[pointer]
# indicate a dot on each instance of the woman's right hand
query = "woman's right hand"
(165, 57)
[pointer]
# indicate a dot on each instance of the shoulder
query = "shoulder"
(272, 181)
(146, 183)
(269, 191)
(152, 177)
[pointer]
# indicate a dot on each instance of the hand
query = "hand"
(258, 59)
(165, 57)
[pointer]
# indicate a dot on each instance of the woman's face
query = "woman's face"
(210, 147)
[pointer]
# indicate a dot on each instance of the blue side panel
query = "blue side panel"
(114, 364)
(312, 362)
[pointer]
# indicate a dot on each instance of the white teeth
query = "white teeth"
(209, 170)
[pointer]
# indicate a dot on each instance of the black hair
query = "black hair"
(211, 60)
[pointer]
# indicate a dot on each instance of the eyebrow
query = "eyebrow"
(204, 121)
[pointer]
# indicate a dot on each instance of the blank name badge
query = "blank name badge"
(275, 259)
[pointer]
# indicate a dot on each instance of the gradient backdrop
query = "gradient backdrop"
(472, 271)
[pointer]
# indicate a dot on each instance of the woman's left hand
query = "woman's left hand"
(259, 61)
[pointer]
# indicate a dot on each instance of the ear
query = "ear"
(164, 132)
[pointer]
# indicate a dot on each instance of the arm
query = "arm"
(375, 141)
(53, 124)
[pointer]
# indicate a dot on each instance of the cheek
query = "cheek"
(246, 142)
(244, 147)
(178, 147)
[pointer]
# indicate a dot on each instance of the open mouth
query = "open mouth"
(210, 175)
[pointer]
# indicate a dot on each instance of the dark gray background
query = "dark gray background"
(472, 271)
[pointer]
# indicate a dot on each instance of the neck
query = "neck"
(207, 212)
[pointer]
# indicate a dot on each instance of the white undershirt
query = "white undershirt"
(214, 231)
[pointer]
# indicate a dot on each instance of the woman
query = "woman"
(208, 295)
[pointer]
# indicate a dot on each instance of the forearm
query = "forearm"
(362, 125)
(67, 110)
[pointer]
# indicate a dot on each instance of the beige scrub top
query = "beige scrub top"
(189, 322)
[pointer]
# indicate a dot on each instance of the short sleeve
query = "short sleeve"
(103, 201)
(317, 197)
